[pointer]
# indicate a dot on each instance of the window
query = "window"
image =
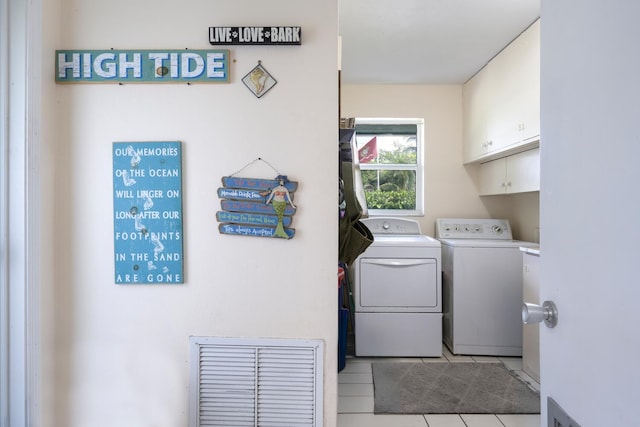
(390, 156)
(20, 102)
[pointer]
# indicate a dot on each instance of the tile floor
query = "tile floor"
(355, 398)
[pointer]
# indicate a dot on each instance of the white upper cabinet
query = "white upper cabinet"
(518, 173)
(501, 104)
(475, 98)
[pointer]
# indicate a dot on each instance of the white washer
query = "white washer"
(398, 292)
(481, 286)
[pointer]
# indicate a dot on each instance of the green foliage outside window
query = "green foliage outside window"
(391, 174)
(401, 199)
(391, 188)
(406, 157)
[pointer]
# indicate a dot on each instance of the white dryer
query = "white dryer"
(398, 292)
(481, 286)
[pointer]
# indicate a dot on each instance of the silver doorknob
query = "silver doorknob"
(534, 313)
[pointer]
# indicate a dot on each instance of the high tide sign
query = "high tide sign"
(142, 66)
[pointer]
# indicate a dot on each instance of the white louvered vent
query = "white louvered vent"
(255, 382)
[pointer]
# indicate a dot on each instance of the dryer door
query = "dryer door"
(398, 284)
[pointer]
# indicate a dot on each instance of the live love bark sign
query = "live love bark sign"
(255, 35)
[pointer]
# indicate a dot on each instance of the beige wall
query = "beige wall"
(450, 187)
(117, 355)
(522, 210)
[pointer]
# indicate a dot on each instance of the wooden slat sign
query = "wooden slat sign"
(142, 66)
(257, 207)
(147, 212)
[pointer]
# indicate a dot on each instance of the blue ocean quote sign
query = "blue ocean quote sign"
(147, 212)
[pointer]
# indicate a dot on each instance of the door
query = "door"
(397, 284)
(475, 96)
(493, 177)
(523, 171)
(487, 296)
(517, 173)
(531, 332)
(590, 209)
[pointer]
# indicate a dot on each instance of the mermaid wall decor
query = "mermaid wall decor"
(279, 197)
(257, 207)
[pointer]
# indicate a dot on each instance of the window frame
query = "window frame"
(20, 142)
(418, 167)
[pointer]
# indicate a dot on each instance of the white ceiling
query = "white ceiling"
(426, 41)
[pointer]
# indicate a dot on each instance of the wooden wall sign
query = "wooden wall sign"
(147, 212)
(257, 207)
(142, 66)
(255, 35)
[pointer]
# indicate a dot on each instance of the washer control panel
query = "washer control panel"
(384, 225)
(461, 228)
